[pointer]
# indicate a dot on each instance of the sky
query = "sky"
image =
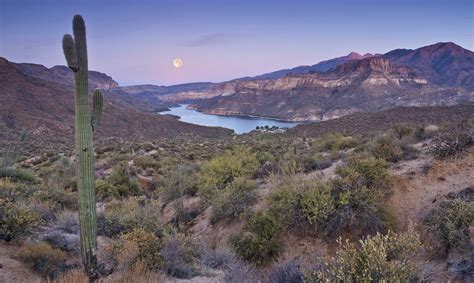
(135, 42)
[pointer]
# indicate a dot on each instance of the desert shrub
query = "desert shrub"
(366, 171)
(333, 142)
(362, 185)
(179, 181)
(350, 201)
(58, 196)
(120, 179)
(311, 164)
(408, 152)
(241, 272)
(16, 220)
(145, 162)
(214, 258)
(17, 175)
(148, 247)
(45, 209)
(386, 149)
(44, 259)
(180, 254)
(105, 191)
(380, 258)
(401, 131)
(453, 140)
(449, 224)
(66, 242)
(285, 273)
(68, 221)
(235, 200)
(11, 190)
(315, 202)
(216, 173)
(123, 216)
(259, 242)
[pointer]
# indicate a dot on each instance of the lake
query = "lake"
(240, 124)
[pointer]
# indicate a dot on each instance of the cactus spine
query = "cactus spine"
(75, 51)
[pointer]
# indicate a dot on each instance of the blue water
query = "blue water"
(239, 124)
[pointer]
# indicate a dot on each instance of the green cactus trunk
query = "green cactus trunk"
(75, 51)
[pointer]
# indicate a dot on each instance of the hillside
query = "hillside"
(370, 84)
(35, 109)
(439, 74)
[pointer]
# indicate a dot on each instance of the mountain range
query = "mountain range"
(439, 74)
(37, 104)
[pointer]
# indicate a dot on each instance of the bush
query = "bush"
(401, 131)
(15, 191)
(408, 152)
(123, 216)
(449, 224)
(17, 175)
(235, 200)
(105, 191)
(139, 246)
(363, 184)
(453, 140)
(259, 243)
(380, 258)
(120, 179)
(241, 272)
(68, 221)
(179, 181)
(333, 142)
(215, 258)
(315, 203)
(43, 258)
(386, 149)
(285, 273)
(145, 162)
(218, 172)
(366, 171)
(180, 254)
(16, 220)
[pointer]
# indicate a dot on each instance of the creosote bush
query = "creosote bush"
(380, 258)
(216, 173)
(235, 200)
(136, 246)
(352, 200)
(44, 259)
(121, 181)
(334, 142)
(180, 254)
(178, 181)
(453, 141)
(258, 243)
(386, 149)
(123, 216)
(449, 224)
(16, 220)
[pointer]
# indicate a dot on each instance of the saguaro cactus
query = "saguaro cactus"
(75, 50)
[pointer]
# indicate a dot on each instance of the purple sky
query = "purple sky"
(136, 41)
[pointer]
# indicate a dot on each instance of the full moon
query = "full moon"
(177, 62)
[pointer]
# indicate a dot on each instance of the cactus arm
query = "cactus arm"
(84, 149)
(70, 52)
(98, 103)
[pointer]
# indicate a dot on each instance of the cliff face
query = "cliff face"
(369, 84)
(439, 74)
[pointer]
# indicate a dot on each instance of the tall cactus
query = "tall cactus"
(75, 51)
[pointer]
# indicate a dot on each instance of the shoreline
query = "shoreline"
(252, 116)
